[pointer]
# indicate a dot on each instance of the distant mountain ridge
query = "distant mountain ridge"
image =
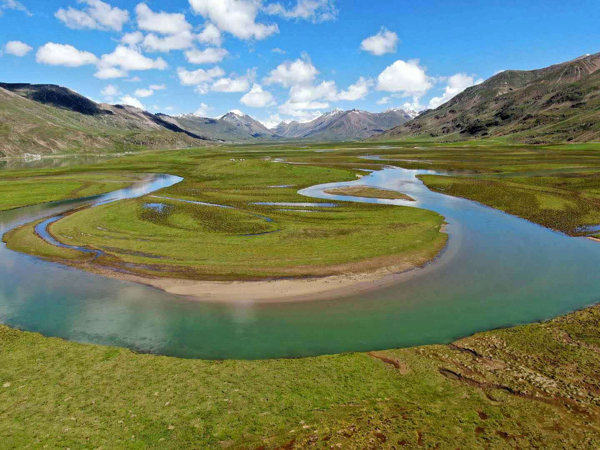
(555, 104)
(344, 125)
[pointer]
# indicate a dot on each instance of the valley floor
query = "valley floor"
(532, 386)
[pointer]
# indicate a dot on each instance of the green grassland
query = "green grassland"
(369, 192)
(26, 191)
(533, 386)
(194, 241)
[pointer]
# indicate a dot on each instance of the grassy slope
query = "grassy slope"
(552, 105)
(27, 126)
(532, 386)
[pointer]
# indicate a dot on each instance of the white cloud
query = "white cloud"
(233, 84)
(326, 91)
(132, 39)
(124, 59)
(383, 42)
(211, 35)
(292, 73)
(107, 73)
(135, 79)
(160, 22)
(97, 16)
(237, 17)
(131, 101)
(302, 115)
(257, 98)
(143, 93)
(202, 88)
(13, 5)
(405, 78)
(456, 84)
(180, 41)
(210, 55)
(313, 10)
(198, 77)
(357, 91)
(278, 50)
(110, 91)
(203, 110)
(64, 55)
(17, 48)
(158, 87)
(384, 101)
(272, 121)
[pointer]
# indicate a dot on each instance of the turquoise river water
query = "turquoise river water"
(497, 271)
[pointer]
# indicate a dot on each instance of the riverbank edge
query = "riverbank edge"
(270, 290)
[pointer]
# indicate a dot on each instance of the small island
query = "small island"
(369, 192)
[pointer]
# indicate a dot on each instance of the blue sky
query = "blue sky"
(284, 59)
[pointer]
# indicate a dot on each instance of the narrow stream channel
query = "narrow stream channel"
(498, 270)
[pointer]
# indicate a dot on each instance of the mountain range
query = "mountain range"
(560, 103)
(50, 119)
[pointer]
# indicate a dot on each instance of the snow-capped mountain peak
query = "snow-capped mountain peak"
(235, 112)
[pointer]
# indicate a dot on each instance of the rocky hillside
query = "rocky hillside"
(48, 119)
(341, 125)
(555, 104)
(235, 126)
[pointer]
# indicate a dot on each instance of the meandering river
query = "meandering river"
(498, 270)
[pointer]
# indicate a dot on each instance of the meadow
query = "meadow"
(532, 386)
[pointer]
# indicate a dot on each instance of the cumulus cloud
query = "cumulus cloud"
(278, 50)
(292, 73)
(203, 110)
(211, 35)
(305, 98)
(123, 59)
(257, 98)
(158, 87)
(357, 91)
(180, 41)
(13, 5)
(383, 42)
(131, 101)
(143, 93)
(132, 39)
(405, 78)
(314, 10)
(198, 77)
(237, 17)
(233, 83)
(17, 48)
(456, 84)
(384, 101)
(272, 121)
(110, 91)
(160, 22)
(107, 73)
(209, 55)
(97, 16)
(64, 55)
